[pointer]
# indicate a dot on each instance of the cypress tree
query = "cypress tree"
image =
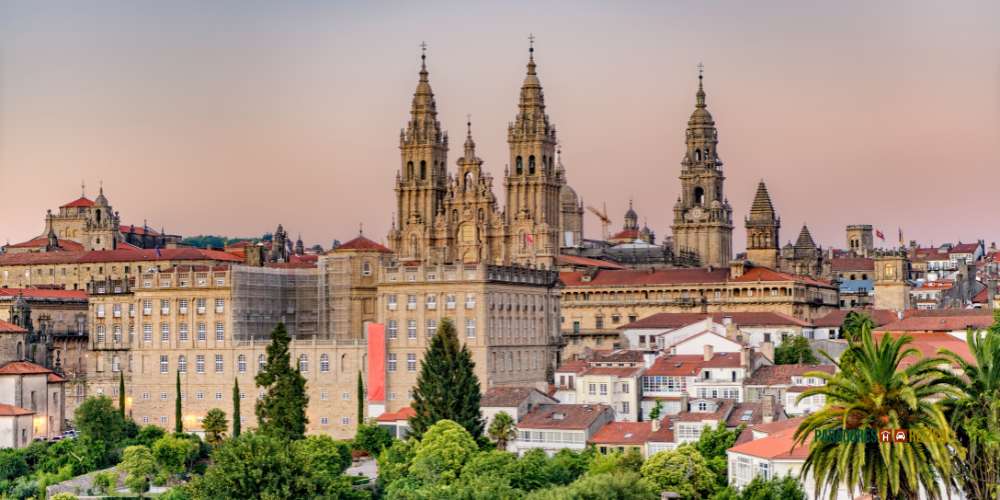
(178, 418)
(447, 387)
(281, 413)
(236, 408)
(361, 399)
(121, 393)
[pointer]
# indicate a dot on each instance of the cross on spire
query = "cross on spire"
(531, 42)
(83, 188)
(701, 70)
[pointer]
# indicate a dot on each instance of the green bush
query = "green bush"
(372, 439)
(105, 482)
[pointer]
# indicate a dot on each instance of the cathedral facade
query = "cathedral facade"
(455, 218)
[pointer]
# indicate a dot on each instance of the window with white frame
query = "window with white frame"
(100, 333)
(393, 329)
(411, 329)
(100, 310)
(411, 362)
(164, 332)
(241, 363)
(220, 331)
(164, 306)
(390, 302)
(470, 328)
(449, 302)
(202, 331)
(182, 331)
(220, 305)
(116, 333)
(164, 364)
(182, 365)
(303, 362)
(147, 307)
(470, 301)
(432, 325)
(199, 363)
(391, 362)
(182, 306)
(411, 302)
(219, 365)
(432, 301)
(324, 362)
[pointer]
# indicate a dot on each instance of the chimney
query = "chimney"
(684, 402)
(767, 349)
(745, 359)
(736, 268)
(655, 424)
(709, 351)
(767, 408)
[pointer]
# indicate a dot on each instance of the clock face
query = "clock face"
(890, 271)
(695, 213)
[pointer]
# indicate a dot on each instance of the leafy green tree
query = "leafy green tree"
(975, 416)
(139, 466)
(63, 496)
(322, 457)
(236, 408)
(447, 387)
(173, 454)
(608, 486)
(361, 399)
(682, 471)
(567, 466)
(876, 391)
(105, 482)
(854, 323)
(12, 464)
(215, 425)
(794, 349)
(121, 393)
(372, 438)
(502, 430)
(493, 463)
(98, 419)
(282, 410)
(441, 453)
(712, 445)
(394, 462)
(532, 472)
(777, 488)
(149, 434)
(656, 411)
(178, 417)
(615, 462)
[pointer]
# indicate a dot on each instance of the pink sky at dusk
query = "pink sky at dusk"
(229, 117)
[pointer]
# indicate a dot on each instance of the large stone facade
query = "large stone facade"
(507, 316)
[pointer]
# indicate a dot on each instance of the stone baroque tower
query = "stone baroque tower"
(421, 182)
(703, 219)
(571, 215)
(892, 284)
(532, 180)
(472, 229)
(763, 226)
(859, 239)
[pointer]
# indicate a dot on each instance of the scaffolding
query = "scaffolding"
(262, 297)
(335, 283)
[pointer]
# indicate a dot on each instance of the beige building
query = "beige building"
(507, 316)
(596, 303)
(892, 284)
(28, 389)
(211, 325)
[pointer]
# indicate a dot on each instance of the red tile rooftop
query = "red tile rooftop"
(945, 320)
(573, 365)
(678, 320)
(6, 327)
(23, 368)
(43, 241)
(650, 277)
(574, 260)
(7, 410)
(779, 445)
(836, 318)
(676, 365)
(852, 264)
(623, 433)
(612, 371)
(770, 375)
(117, 255)
(507, 396)
(402, 414)
(44, 293)
(80, 202)
(362, 244)
(563, 416)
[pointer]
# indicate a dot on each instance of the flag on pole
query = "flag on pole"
(880, 235)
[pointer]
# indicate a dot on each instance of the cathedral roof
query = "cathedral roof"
(117, 255)
(700, 116)
(101, 200)
(43, 241)
(362, 244)
(7, 327)
(762, 208)
(805, 239)
(82, 201)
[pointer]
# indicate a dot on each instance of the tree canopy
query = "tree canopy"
(282, 410)
(447, 387)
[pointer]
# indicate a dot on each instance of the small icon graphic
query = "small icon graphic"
(885, 436)
(901, 435)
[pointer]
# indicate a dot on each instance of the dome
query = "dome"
(568, 196)
(101, 200)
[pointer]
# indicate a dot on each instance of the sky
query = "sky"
(229, 117)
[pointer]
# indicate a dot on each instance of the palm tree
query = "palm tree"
(502, 430)
(854, 323)
(875, 393)
(976, 417)
(215, 425)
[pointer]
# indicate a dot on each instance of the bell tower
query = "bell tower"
(703, 219)
(762, 226)
(532, 182)
(422, 180)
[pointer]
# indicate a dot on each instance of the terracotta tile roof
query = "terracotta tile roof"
(929, 345)
(765, 274)
(117, 255)
(778, 425)
(778, 446)
(723, 410)
(618, 356)
(402, 414)
(82, 201)
(22, 368)
(623, 433)
(852, 264)
(964, 248)
(740, 412)
(44, 293)
(7, 410)
(292, 265)
(362, 244)
(982, 297)
(676, 365)
(575, 260)
(6, 327)
(769, 375)
(945, 320)
(836, 318)
(678, 320)
(648, 277)
(928, 254)
(137, 230)
(664, 435)
(626, 234)
(573, 365)
(56, 379)
(723, 360)
(613, 371)
(507, 396)
(560, 416)
(42, 241)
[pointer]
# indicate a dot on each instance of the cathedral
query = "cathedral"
(450, 218)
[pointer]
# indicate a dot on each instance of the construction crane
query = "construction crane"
(605, 221)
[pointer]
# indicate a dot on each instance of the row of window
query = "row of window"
(411, 362)
(241, 363)
(392, 328)
(592, 389)
(183, 332)
(509, 362)
(430, 302)
(550, 436)
(183, 306)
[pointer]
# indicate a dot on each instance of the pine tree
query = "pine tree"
(236, 408)
(281, 412)
(447, 387)
(121, 393)
(361, 399)
(178, 419)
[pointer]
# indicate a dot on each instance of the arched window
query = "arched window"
(324, 362)
(468, 181)
(423, 169)
(707, 156)
(531, 165)
(98, 214)
(409, 170)
(303, 363)
(20, 349)
(261, 362)
(699, 196)
(343, 362)
(697, 155)
(414, 248)
(182, 364)
(518, 166)
(241, 363)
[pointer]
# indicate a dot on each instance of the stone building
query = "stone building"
(763, 226)
(444, 218)
(892, 283)
(703, 219)
(31, 403)
(507, 316)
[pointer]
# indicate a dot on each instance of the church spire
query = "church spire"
(470, 145)
(762, 208)
(423, 125)
(700, 96)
